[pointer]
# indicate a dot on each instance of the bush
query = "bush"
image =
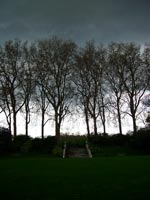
(119, 139)
(26, 147)
(109, 140)
(5, 134)
(112, 151)
(100, 140)
(43, 145)
(37, 145)
(5, 140)
(138, 143)
(141, 141)
(73, 141)
(18, 142)
(57, 151)
(49, 143)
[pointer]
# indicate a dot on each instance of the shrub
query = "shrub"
(43, 145)
(109, 140)
(73, 141)
(49, 143)
(37, 145)
(57, 151)
(119, 139)
(18, 142)
(100, 140)
(5, 140)
(26, 147)
(141, 141)
(111, 151)
(5, 134)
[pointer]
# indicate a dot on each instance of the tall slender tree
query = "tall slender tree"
(114, 73)
(27, 83)
(134, 79)
(89, 67)
(56, 60)
(11, 70)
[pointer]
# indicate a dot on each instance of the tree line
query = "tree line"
(54, 76)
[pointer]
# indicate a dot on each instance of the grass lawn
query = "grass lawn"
(98, 178)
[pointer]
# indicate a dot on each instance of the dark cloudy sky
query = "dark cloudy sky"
(80, 20)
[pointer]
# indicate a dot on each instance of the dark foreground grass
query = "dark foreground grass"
(86, 179)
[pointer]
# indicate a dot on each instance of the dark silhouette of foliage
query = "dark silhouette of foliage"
(5, 140)
(44, 145)
(18, 141)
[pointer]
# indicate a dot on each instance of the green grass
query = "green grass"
(102, 178)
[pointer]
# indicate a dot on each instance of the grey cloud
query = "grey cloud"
(101, 20)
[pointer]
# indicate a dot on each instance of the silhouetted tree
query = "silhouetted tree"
(4, 99)
(89, 71)
(134, 79)
(56, 61)
(11, 70)
(27, 82)
(52, 73)
(114, 73)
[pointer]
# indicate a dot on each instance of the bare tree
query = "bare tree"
(11, 69)
(89, 68)
(114, 73)
(43, 104)
(146, 63)
(82, 81)
(56, 61)
(104, 103)
(134, 79)
(27, 82)
(39, 98)
(4, 99)
(5, 105)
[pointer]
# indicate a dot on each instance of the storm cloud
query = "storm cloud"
(80, 20)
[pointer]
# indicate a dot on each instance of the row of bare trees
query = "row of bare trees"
(53, 76)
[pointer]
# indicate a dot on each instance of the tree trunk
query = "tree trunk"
(9, 126)
(95, 125)
(57, 129)
(26, 127)
(102, 114)
(134, 124)
(15, 123)
(119, 118)
(42, 123)
(26, 122)
(133, 112)
(57, 125)
(87, 121)
(104, 120)
(104, 127)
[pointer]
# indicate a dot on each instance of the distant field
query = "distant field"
(102, 178)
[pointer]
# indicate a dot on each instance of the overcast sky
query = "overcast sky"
(80, 20)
